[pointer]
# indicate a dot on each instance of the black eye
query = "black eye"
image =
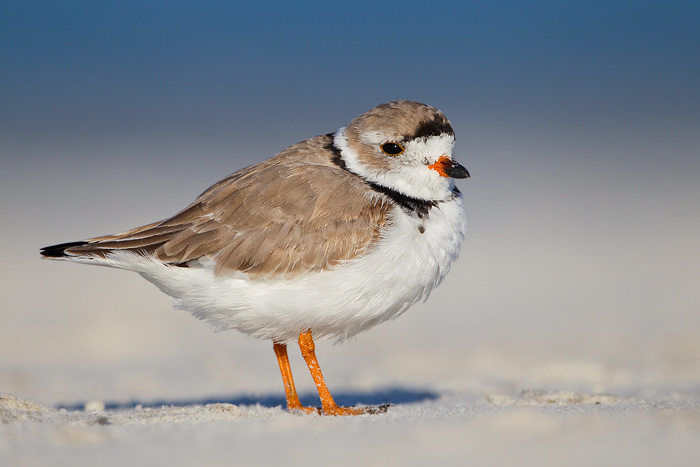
(392, 149)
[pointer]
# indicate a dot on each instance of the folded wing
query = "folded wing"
(276, 219)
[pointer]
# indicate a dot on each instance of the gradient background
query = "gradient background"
(579, 122)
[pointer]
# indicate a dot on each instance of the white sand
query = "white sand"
(554, 428)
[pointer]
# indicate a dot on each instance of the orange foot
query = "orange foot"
(346, 411)
(303, 409)
(338, 411)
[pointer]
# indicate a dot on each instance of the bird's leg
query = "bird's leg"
(293, 402)
(328, 405)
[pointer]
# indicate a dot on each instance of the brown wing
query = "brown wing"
(289, 215)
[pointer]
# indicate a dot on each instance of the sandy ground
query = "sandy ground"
(556, 428)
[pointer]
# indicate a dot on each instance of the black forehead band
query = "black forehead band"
(439, 125)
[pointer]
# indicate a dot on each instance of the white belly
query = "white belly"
(402, 268)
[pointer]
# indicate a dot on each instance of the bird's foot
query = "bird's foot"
(346, 411)
(336, 410)
(305, 410)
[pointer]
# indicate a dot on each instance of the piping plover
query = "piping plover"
(328, 238)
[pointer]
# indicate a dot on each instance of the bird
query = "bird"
(326, 239)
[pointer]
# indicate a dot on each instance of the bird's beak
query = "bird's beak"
(449, 168)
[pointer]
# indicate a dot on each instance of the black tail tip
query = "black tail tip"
(59, 251)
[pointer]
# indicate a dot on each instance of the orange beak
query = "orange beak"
(449, 168)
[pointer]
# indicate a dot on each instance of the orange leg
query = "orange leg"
(293, 402)
(328, 405)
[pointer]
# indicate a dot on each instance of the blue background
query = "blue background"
(88, 70)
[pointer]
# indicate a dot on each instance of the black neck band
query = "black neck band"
(409, 204)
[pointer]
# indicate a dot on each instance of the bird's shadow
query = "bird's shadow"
(388, 396)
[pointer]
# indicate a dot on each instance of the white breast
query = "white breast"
(410, 259)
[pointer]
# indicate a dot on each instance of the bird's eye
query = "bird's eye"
(392, 149)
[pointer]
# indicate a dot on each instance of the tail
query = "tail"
(176, 242)
(59, 251)
(142, 241)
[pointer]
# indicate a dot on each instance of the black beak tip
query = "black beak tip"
(458, 171)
